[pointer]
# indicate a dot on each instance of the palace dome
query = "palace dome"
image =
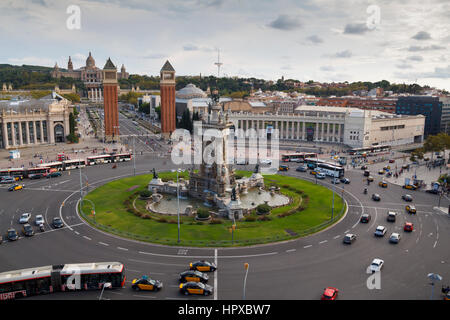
(90, 62)
(190, 92)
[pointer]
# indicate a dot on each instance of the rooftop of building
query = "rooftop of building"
(31, 104)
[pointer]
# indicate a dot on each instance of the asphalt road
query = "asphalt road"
(297, 269)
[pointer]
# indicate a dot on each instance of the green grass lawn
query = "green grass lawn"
(112, 215)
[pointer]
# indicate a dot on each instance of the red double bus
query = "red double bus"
(66, 277)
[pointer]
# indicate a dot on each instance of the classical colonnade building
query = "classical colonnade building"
(26, 123)
(350, 126)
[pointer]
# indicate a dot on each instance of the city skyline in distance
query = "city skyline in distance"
(318, 40)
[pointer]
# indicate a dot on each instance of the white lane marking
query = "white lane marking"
(87, 238)
(434, 246)
(215, 275)
(124, 249)
(104, 244)
(308, 246)
(336, 237)
(146, 297)
(347, 231)
(291, 250)
(159, 263)
(77, 233)
(324, 241)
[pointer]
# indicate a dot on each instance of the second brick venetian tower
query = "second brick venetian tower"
(110, 102)
(167, 89)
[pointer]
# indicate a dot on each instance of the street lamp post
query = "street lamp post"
(178, 205)
(433, 277)
(245, 279)
(334, 187)
(105, 285)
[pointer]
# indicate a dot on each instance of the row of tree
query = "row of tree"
(433, 143)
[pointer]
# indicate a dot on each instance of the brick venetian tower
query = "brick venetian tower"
(110, 102)
(167, 89)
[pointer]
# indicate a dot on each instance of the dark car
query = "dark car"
(146, 284)
(12, 235)
(202, 265)
(195, 288)
(193, 276)
(391, 216)
(407, 197)
(365, 218)
(1, 239)
(35, 176)
(6, 180)
(57, 223)
(364, 167)
(349, 238)
(54, 174)
(376, 197)
(366, 173)
(301, 169)
(433, 191)
(283, 168)
(345, 180)
(28, 230)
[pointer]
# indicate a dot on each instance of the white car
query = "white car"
(266, 161)
(394, 238)
(380, 231)
(39, 220)
(24, 218)
(376, 265)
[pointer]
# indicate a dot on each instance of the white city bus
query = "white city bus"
(104, 158)
(54, 166)
(74, 164)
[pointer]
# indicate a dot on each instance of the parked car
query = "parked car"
(365, 218)
(330, 293)
(349, 238)
(302, 168)
(12, 235)
(409, 227)
(376, 265)
(394, 238)
(391, 216)
(376, 197)
(24, 218)
(380, 231)
(407, 197)
(320, 175)
(39, 220)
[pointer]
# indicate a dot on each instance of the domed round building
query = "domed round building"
(190, 92)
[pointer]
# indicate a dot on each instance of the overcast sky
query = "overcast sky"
(323, 40)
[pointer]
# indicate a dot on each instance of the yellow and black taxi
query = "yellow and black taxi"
(193, 276)
(370, 178)
(146, 284)
(409, 187)
(283, 168)
(383, 184)
(27, 230)
(411, 209)
(15, 187)
(381, 171)
(202, 266)
(195, 288)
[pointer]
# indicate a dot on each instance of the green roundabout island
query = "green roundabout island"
(124, 208)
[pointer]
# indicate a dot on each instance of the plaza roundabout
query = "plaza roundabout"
(298, 208)
(295, 268)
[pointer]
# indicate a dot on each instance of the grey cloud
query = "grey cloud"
(356, 28)
(327, 68)
(415, 58)
(425, 48)
(285, 22)
(154, 56)
(315, 39)
(404, 66)
(190, 47)
(422, 35)
(343, 54)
